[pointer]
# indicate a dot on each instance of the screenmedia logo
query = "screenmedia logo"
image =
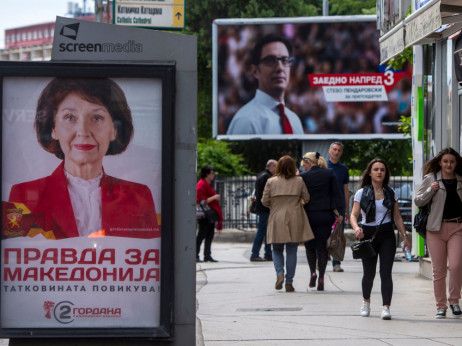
(71, 31)
(66, 312)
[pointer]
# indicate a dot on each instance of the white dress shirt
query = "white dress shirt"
(261, 116)
(86, 203)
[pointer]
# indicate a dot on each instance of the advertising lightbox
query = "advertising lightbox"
(325, 71)
(86, 243)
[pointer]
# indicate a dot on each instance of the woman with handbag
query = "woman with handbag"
(444, 226)
(378, 205)
(284, 195)
(325, 197)
(206, 196)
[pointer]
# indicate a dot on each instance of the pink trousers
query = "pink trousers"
(445, 249)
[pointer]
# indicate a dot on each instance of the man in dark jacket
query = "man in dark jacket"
(263, 214)
(343, 178)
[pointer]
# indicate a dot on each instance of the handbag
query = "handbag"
(210, 214)
(336, 241)
(199, 212)
(253, 205)
(363, 248)
(420, 219)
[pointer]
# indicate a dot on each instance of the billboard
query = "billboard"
(330, 82)
(86, 216)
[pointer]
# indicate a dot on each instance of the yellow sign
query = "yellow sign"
(150, 13)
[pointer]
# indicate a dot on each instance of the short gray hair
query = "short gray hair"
(336, 143)
(271, 163)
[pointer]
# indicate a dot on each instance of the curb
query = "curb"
(233, 235)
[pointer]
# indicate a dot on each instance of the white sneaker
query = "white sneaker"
(386, 313)
(365, 309)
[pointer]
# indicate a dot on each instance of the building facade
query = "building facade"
(431, 31)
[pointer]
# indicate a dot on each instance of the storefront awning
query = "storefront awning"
(433, 22)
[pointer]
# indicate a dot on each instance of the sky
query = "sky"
(17, 13)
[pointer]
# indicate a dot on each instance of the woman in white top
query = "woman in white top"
(377, 203)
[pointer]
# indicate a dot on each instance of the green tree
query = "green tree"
(357, 154)
(218, 155)
(350, 7)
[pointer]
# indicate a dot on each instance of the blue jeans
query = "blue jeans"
(291, 261)
(260, 237)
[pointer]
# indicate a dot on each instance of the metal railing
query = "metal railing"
(236, 193)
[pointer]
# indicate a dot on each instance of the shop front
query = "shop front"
(431, 31)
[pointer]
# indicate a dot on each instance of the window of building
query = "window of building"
(45, 33)
(7, 38)
(40, 35)
(23, 36)
(29, 36)
(18, 37)
(35, 34)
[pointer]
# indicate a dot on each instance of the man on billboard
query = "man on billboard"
(266, 112)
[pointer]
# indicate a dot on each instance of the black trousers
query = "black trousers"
(385, 246)
(206, 231)
(321, 223)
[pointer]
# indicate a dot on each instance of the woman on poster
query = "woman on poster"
(80, 121)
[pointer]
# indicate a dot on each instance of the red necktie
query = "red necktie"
(285, 122)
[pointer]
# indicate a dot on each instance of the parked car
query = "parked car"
(404, 193)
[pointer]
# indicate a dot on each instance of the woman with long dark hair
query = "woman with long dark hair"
(378, 205)
(444, 226)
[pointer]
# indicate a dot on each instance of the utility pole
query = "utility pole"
(325, 7)
(99, 9)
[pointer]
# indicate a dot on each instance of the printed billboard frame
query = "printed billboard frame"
(222, 93)
(162, 74)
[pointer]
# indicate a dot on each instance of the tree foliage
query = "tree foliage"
(350, 7)
(218, 155)
(357, 154)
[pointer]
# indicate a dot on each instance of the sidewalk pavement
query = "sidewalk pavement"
(246, 235)
(238, 305)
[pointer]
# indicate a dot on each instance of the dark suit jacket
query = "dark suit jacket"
(262, 178)
(127, 208)
(323, 189)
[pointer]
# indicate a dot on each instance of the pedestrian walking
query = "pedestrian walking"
(263, 214)
(378, 205)
(206, 194)
(324, 198)
(343, 178)
(288, 225)
(444, 226)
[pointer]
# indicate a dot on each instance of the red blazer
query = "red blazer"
(127, 208)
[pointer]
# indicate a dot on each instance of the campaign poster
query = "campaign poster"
(81, 202)
(333, 86)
